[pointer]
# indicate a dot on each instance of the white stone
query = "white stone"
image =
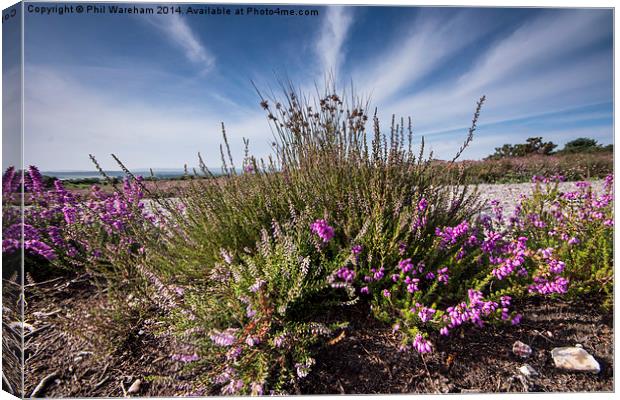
(574, 359)
(135, 387)
(521, 349)
(527, 370)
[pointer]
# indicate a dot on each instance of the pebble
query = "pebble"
(574, 359)
(528, 370)
(135, 387)
(521, 349)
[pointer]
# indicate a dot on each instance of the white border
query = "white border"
(509, 3)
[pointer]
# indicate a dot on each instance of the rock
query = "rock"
(521, 349)
(528, 371)
(574, 359)
(579, 345)
(135, 387)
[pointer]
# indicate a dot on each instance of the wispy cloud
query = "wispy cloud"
(181, 35)
(416, 52)
(528, 71)
(535, 45)
(332, 36)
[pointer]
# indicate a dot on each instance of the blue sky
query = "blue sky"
(154, 89)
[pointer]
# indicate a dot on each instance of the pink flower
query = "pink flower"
(422, 345)
(322, 229)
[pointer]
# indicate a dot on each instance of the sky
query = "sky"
(154, 89)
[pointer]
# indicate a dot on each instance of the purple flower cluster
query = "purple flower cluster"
(545, 285)
(450, 235)
(422, 345)
(322, 229)
(515, 260)
(346, 274)
(225, 338)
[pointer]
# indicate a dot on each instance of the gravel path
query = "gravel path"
(508, 193)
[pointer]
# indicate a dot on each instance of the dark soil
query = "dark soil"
(367, 360)
(75, 341)
(75, 346)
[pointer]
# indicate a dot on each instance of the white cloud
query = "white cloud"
(528, 72)
(415, 53)
(181, 35)
(534, 45)
(332, 36)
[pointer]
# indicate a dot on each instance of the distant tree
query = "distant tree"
(533, 145)
(581, 145)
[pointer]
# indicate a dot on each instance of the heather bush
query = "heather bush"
(574, 167)
(257, 254)
(63, 231)
(242, 268)
(576, 229)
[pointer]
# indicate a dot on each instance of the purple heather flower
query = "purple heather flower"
(516, 319)
(378, 274)
(346, 274)
(556, 266)
(40, 248)
(252, 341)
(442, 275)
(256, 388)
(234, 353)
(357, 249)
(386, 293)
(233, 387)
(223, 339)
(426, 314)
(422, 345)
(422, 204)
(365, 290)
(412, 284)
(226, 256)
(278, 341)
(544, 286)
(303, 369)
(609, 182)
(249, 311)
(582, 184)
(405, 265)
(322, 229)
(402, 248)
(257, 285)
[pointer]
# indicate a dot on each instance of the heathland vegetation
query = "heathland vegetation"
(241, 269)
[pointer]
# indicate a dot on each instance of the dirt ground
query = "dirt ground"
(63, 351)
(474, 360)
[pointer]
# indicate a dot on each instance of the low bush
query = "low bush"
(574, 167)
(243, 267)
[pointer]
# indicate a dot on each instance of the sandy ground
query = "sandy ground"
(508, 194)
